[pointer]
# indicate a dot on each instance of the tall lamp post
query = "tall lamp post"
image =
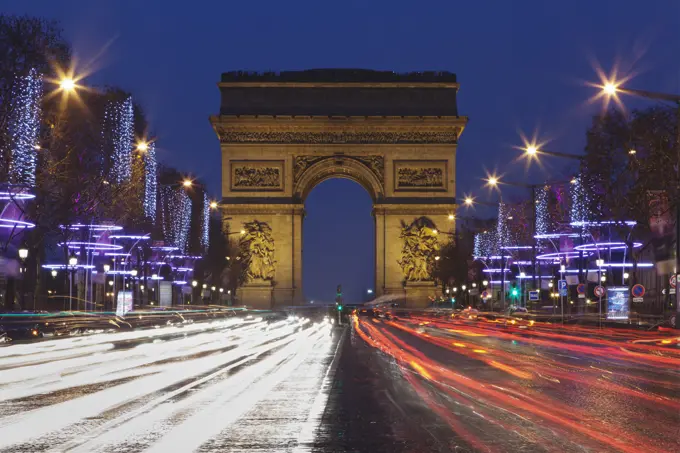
(72, 263)
(599, 263)
(612, 89)
(23, 254)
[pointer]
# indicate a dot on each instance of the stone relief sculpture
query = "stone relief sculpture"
(420, 177)
(230, 136)
(256, 248)
(257, 177)
(419, 248)
(375, 163)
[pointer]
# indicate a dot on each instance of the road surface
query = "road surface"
(460, 385)
(412, 385)
(232, 385)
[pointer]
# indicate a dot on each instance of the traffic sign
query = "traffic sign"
(485, 294)
(581, 288)
(533, 295)
(562, 287)
(638, 290)
(673, 280)
(638, 299)
(599, 291)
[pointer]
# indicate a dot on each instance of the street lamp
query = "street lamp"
(187, 183)
(485, 283)
(194, 283)
(107, 267)
(23, 253)
(610, 89)
(54, 273)
(213, 205)
(142, 147)
(133, 272)
(72, 262)
(67, 84)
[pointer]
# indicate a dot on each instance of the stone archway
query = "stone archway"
(282, 134)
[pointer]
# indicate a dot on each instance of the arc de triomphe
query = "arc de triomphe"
(282, 134)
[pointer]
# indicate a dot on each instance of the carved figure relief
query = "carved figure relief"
(375, 163)
(257, 175)
(256, 250)
(231, 136)
(420, 175)
(419, 248)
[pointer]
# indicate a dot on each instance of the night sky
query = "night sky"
(522, 65)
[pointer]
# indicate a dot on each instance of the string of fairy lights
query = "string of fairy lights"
(574, 208)
(24, 127)
(150, 182)
(205, 222)
(175, 216)
(117, 135)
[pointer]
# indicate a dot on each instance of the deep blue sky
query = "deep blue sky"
(521, 65)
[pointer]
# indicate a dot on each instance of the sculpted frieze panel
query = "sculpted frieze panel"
(414, 175)
(328, 137)
(257, 175)
(375, 163)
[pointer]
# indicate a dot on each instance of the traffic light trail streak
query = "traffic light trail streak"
(547, 387)
(198, 387)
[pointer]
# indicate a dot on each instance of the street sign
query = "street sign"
(673, 280)
(581, 288)
(599, 291)
(562, 287)
(581, 296)
(533, 295)
(638, 290)
(485, 294)
(638, 299)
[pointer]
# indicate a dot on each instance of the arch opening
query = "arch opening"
(338, 241)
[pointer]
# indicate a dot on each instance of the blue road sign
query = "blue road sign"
(533, 295)
(562, 287)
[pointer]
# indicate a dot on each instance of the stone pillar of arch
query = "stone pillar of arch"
(281, 135)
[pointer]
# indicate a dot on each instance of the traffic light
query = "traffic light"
(514, 292)
(339, 307)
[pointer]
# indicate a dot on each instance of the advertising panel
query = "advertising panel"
(618, 302)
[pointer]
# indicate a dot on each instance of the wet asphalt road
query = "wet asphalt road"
(232, 385)
(472, 386)
(378, 386)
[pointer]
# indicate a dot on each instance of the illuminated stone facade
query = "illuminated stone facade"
(395, 134)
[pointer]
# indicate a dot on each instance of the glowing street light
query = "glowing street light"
(106, 267)
(67, 84)
(133, 272)
(469, 201)
(23, 253)
(610, 89)
(73, 261)
(142, 147)
(194, 283)
(531, 150)
(187, 183)
(213, 205)
(54, 273)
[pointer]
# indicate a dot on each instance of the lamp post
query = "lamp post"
(72, 263)
(563, 269)
(599, 263)
(23, 254)
(611, 89)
